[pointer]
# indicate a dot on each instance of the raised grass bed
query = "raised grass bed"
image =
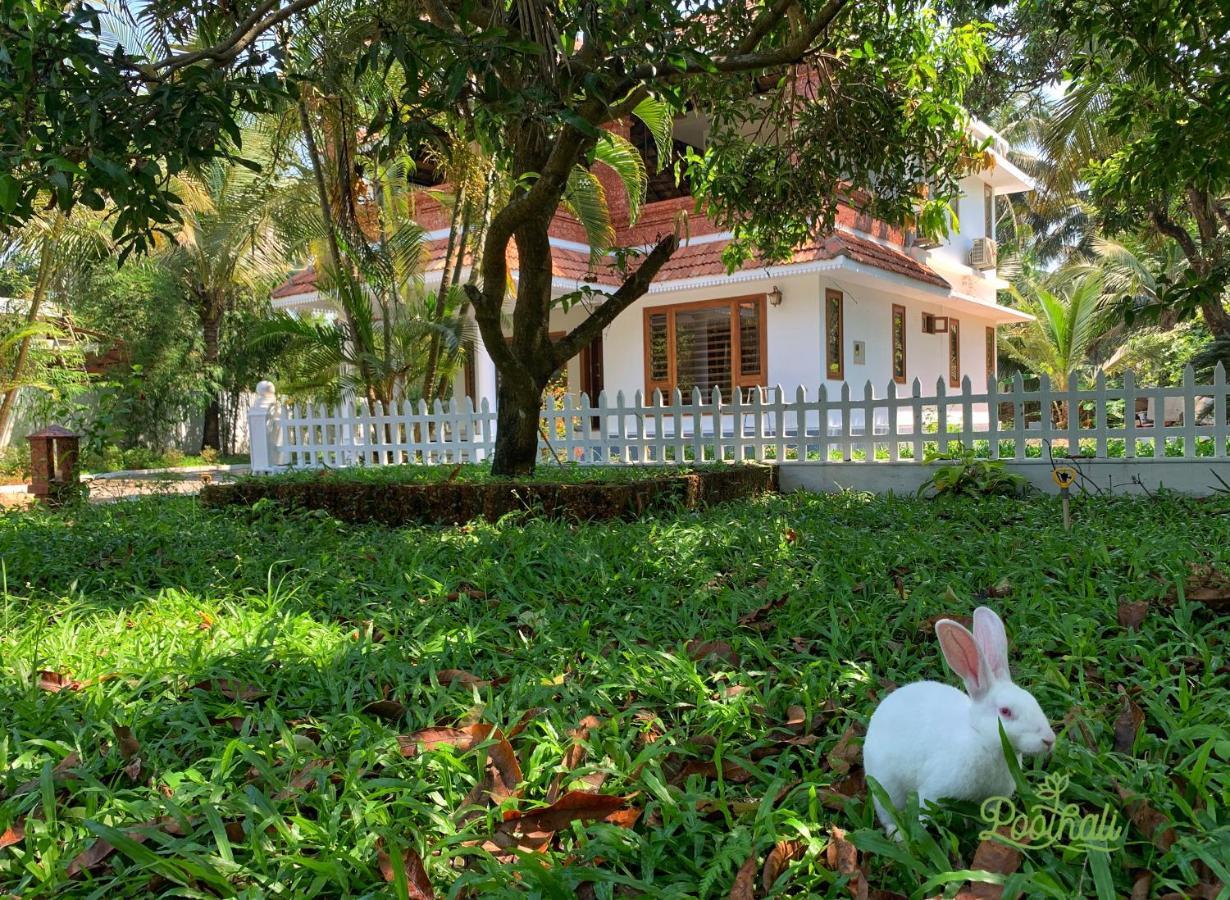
(400, 495)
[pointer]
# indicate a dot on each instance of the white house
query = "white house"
(868, 303)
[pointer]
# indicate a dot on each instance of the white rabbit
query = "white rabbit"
(930, 738)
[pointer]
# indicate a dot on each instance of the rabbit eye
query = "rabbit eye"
(1005, 712)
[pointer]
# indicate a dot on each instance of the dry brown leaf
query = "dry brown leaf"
(791, 536)
(533, 830)
(460, 676)
(92, 857)
(782, 855)
(1204, 584)
(699, 651)
(466, 590)
(744, 887)
(846, 752)
(14, 834)
(418, 885)
(129, 746)
(755, 618)
(1127, 726)
(1133, 613)
(997, 858)
(389, 710)
(231, 689)
(574, 756)
(55, 682)
(796, 719)
(1142, 885)
(526, 718)
(842, 858)
(853, 786)
(1148, 820)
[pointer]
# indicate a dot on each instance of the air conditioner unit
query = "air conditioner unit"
(982, 254)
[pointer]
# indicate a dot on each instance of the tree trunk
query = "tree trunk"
(211, 322)
(517, 419)
(1216, 318)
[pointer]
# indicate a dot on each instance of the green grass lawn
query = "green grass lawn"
(276, 777)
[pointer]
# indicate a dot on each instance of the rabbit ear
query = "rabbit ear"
(961, 652)
(992, 641)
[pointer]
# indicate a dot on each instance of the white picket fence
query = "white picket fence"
(770, 425)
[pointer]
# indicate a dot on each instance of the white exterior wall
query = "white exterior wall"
(795, 336)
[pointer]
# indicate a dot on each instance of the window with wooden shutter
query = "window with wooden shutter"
(898, 343)
(954, 353)
(834, 335)
(712, 343)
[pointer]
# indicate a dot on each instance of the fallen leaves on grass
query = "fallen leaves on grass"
(57, 681)
(92, 858)
(846, 752)
(534, 830)
(1133, 613)
(417, 883)
(448, 677)
(781, 856)
(14, 834)
(756, 618)
(842, 858)
(699, 651)
(994, 857)
(503, 770)
(1205, 584)
(470, 591)
(1148, 820)
(129, 747)
(744, 887)
(389, 710)
(574, 756)
(1127, 725)
(231, 689)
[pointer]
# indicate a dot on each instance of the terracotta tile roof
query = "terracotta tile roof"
(302, 282)
(699, 260)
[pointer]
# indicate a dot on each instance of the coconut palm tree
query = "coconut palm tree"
(231, 240)
(1070, 316)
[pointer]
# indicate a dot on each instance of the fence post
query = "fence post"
(916, 410)
(262, 430)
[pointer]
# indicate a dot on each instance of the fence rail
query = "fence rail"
(1187, 420)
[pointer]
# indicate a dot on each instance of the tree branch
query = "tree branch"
(1173, 229)
(746, 61)
(261, 20)
(633, 288)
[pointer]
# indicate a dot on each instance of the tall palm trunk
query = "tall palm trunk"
(46, 258)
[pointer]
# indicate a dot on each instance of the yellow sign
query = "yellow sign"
(1064, 476)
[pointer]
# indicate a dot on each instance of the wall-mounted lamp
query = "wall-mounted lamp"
(775, 296)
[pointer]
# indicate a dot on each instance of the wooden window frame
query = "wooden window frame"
(954, 352)
(739, 380)
(835, 370)
(992, 351)
(899, 310)
(988, 210)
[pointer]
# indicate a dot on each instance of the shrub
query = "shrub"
(15, 462)
(209, 454)
(173, 457)
(969, 476)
